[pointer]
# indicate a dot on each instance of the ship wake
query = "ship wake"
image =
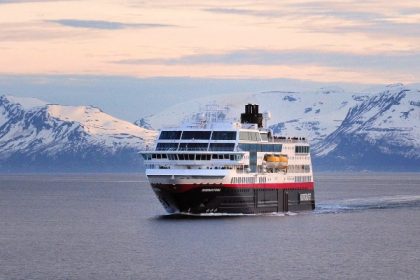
(360, 204)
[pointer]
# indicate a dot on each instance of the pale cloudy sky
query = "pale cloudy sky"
(370, 41)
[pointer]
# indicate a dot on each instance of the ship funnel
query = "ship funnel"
(252, 115)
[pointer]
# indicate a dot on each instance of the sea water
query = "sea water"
(111, 226)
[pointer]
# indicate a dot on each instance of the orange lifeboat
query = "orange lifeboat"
(276, 161)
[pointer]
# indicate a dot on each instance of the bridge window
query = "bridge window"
(172, 157)
(170, 135)
(193, 146)
(197, 135)
(222, 146)
(167, 146)
(203, 156)
(147, 156)
(223, 135)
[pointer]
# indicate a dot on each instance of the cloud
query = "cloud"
(109, 25)
(382, 28)
(33, 31)
(246, 12)
(25, 1)
(342, 10)
(369, 21)
(410, 11)
(304, 10)
(396, 60)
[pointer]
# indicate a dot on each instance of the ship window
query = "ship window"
(301, 149)
(203, 157)
(223, 135)
(264, 136)
(232, 157)
(238, 157)
(245, 147)
(274, 148)
(170, 135)
(222, 146)
(198, 135)
(249, 136)
(193, 146)
(226, 156)
(166, 146)
(214, 156)
(191, 157)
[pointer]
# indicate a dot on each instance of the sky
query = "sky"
(102, 52)
(341, 41)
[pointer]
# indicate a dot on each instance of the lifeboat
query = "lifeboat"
(276, 161)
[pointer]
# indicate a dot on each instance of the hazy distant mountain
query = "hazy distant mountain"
(374, 130)
(36, 136)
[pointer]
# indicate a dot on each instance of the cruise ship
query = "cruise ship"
(211, 164)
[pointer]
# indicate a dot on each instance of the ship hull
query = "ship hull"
(235, 199)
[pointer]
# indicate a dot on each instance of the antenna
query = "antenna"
(267, 116)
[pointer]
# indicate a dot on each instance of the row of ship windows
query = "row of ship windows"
(304, 168)
(271, 148)
(195, 146)
(213, 135)
(244, 180)
(301, 149)
(217, 135)
(252, 136)
(192, 156)
(303, 179)
(250, 180)
(198, 135)
(158, 166)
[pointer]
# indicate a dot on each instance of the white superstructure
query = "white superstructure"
(211, 149)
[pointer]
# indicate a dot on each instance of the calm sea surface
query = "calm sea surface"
(366, 226)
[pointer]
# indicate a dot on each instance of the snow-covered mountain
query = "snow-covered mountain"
(311, 114)
(379, 123)
(378, 129)
(382, 133)
(35, 135)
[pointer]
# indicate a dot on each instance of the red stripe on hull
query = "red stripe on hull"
(282, 186)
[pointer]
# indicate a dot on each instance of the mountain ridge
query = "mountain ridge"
(326, 114)
(67, 138)
(376, 130)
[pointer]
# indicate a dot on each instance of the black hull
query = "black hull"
(211, 199)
